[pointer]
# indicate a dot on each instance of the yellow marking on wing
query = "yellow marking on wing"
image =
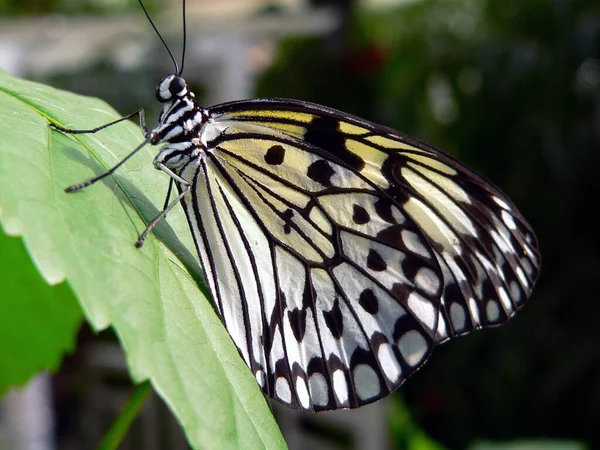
(433, 163)
(294, 168)
(297, 131)
(370, 155)
(320, 220)
(392, 144)
(273, 114)
(292, 195)
(373, 159)
(447, 185)
(348, 128)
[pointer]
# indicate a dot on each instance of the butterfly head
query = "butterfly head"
(170, 88)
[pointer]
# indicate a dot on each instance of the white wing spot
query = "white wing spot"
(366, 381)
(528, 267)
(505, 246)
(302, 392)
(441, 332)
(456, 271)
(492, 311)
(260, 378)
(504, 299)
(529, 253)
(509, 221)
(515, 291)
(474, 310)
(481, 274)
(499, 259)
(388, 362)
(522, 277)
(501, 203)
(427, 280)
(413, 347)
(414, 243)
(318, 389)
(277, 352)
(458, 317)
(423, 309)
(340, 387)
(282, 389)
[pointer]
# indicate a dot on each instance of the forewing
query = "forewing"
(486, 251)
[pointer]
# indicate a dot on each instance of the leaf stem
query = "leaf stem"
(130, 411)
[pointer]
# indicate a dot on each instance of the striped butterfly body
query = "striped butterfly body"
(339, 252)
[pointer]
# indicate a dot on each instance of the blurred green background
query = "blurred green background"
(511, 88)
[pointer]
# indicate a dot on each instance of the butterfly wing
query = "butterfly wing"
(339, 251)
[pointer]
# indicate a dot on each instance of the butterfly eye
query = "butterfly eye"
(169, 87)
(178, 87)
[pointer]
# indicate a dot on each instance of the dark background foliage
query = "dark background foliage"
(519, 83)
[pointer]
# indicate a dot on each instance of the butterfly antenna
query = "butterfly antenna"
(184, 40)
(177, 71)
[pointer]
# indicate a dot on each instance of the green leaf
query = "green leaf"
(38, 323)
(169, 331)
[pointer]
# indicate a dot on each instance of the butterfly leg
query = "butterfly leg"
(185, 187)
(80, 186)
(147, 134)
(140, 112)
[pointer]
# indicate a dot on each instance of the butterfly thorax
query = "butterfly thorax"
(180, 124)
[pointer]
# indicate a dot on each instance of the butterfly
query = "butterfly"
(339, 252)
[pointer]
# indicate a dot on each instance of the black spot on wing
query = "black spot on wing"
(360, 215)
(321, 172)
(375, 261)
(297, 318)
(368, 301)
(409, 268)
(287, 217)
(401, 291)
(334, 321)
(309, 294)
(275, 155)
(273, 323)
(392, 236)
(383, 208)
(324, 132)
